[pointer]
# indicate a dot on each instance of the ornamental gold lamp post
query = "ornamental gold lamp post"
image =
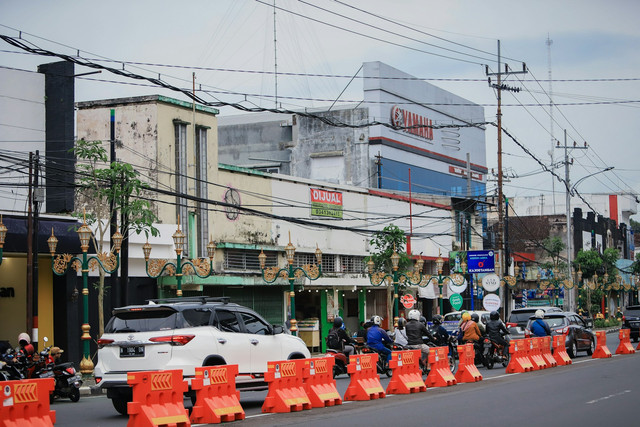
(3, 235)
(396, 278)
(198, 266)
(439, 279)
(107, 261)
(556, 280)
(271, 274)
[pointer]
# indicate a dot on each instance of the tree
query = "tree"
(635, 267)
(97, 188)
(384, 243)
(553, 246)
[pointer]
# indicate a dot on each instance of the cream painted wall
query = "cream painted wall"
(13, 311)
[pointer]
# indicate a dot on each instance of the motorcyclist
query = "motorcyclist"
(440, 334)
(476, 318)
(54, 355)
(24, 341)
(400, 334)
(539, 327)
(470, 330)
(415, 331)
(377, 337)
(345, 343)
(497, 330)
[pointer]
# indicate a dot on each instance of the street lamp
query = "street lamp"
(291, 273)
(3, 235)
(411, 278)
(555, 280)
(607, 284)
(198, 266)
(107, 261)
(439, 279)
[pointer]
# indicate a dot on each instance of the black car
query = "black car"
(578, 335)
(631, 321)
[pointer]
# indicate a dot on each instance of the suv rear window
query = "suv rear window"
(555, 322)
(143, 320)
(520, 317)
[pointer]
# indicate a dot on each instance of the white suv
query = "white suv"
(182, 333)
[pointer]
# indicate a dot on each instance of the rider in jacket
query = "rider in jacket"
(415, 331)
(497, 330)
(440, 334)
(377, 337)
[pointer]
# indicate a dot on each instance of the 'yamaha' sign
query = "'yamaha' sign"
(412, 123)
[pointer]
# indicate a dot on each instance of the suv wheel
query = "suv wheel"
(592, 348)
(573, 350)
(120, 405)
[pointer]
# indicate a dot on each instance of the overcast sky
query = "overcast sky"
(230, 47)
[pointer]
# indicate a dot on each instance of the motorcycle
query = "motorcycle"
(382, 366)
(340, 362)
(10, 369)
(452, 344)
(67, 380)
(494, 353)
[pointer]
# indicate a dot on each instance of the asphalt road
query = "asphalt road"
(588, 392)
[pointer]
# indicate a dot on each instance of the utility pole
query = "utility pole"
(499, 88)
(30, 296)
(116, 288)
(569, 296)
(37, 198)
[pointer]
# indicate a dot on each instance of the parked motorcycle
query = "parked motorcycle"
(494, 353)
(67, 380)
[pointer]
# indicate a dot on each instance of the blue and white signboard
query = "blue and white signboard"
(481, 261)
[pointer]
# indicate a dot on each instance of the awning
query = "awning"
(64, 230)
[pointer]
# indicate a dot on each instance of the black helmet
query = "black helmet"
(423, 320)
(475, 317)
(337, 322)
(494, 315)
(437, 319)
(401, 322)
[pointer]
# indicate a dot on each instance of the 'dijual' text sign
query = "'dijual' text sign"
(326, 203)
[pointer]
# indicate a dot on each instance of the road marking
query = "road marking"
(608, 397)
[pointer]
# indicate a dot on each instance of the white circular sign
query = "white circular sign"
(491, 302)
(457, 289)
(491, 282)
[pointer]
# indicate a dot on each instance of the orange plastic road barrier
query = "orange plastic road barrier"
(560, 351)
(625, 346)
(365, 383)
(602, 352)
(286, 387)
(518, 360)
(467, 371)
(217, 399)
(545, 351)
(440, 374)
(407, 377)
(536, 359)
(26, 403)
(319, 383)
(157, 399)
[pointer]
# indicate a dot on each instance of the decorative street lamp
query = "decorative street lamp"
(3, 235)
(396, 278)
(311, 271)
(556, 280)
(439, 279)
(607, 284)
(107, 261)
(198, 266)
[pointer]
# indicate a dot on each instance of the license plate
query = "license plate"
(135, 351)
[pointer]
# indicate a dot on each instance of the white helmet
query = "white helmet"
(414, 315)
(539, 314)
(376, 320)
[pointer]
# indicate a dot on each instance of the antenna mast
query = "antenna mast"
(275, 51)
(549, 42)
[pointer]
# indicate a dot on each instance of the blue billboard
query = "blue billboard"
(481, 261)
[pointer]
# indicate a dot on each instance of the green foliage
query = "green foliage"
(589, 262)
(383, 244)
(609, 258)
(606, 323)
(635, 267)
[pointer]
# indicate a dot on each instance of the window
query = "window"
(180, 129)
(301, 259)
(328, 263)
(236, 259)
(202, 190)
(227, 321)
(254, 325)
(352, 264)
(196, 317)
